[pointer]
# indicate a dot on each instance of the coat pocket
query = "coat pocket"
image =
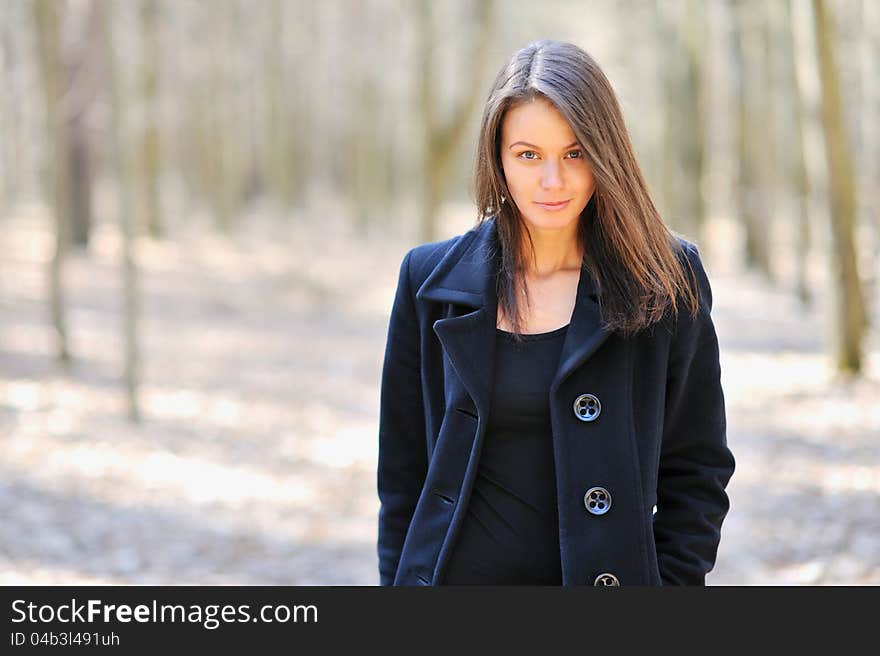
(440, 498)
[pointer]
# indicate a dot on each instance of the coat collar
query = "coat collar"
(466, 277)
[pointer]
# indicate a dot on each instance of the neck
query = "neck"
(555, 250)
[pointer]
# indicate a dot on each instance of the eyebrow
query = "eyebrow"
(526, 143)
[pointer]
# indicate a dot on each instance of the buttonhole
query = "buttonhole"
(468, 413)
(423, 580)
(444, 498)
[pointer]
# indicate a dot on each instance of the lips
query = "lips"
(554, 206)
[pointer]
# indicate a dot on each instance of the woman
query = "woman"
(551, 407)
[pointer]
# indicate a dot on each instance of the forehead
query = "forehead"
(538, 122)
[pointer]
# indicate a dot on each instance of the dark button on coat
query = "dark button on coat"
(660, 440)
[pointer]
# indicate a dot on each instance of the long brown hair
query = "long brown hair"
(635, 260)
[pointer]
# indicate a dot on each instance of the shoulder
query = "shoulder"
(689, 328)
(687, 251)
(419, 261)
(423, 258)
(689, 257)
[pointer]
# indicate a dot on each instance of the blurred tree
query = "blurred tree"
(280, 168)
(369, 164)
(442, 137)
(217, 120)
(850, 311)
(800, 179)
(46, 27)
(150, 157)
(122, 160)
(755, 164)
(10, 112)
(683, 26)
(81, 80)
(287, 35)
(869, 163)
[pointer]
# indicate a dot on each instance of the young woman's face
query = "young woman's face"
(543, 163)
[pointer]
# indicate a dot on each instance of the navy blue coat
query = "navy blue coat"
(657, 446)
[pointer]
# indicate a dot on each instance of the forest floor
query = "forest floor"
(255, 462)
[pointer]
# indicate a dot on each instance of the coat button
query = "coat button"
(587, 407)
(597, 500)
(606, 579)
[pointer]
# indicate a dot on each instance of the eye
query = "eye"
(531, 155)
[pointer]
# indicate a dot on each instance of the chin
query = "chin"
(549, 220)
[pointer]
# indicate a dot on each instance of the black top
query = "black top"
(510, 533)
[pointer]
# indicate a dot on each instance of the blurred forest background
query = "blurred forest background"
(203, 206)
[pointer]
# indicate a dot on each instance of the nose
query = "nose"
(551, 175)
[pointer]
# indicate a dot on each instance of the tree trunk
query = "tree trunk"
(123, 164)
(850, 311)
(801, 182)
(80, 66)
(753, 199)
(278, 126)
(150, 146)
(366, 164)
(682, 48)
(46, 24)
(869, 165)
(79, 151)
(441, 140)
(9, 116)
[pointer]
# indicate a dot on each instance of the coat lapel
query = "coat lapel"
(585, 333)
(465, 278)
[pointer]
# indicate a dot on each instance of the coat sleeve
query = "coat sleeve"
(402, 463)
(695, 463)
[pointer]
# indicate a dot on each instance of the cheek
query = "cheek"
(585, 182)
(517, 180)
(590, 182)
